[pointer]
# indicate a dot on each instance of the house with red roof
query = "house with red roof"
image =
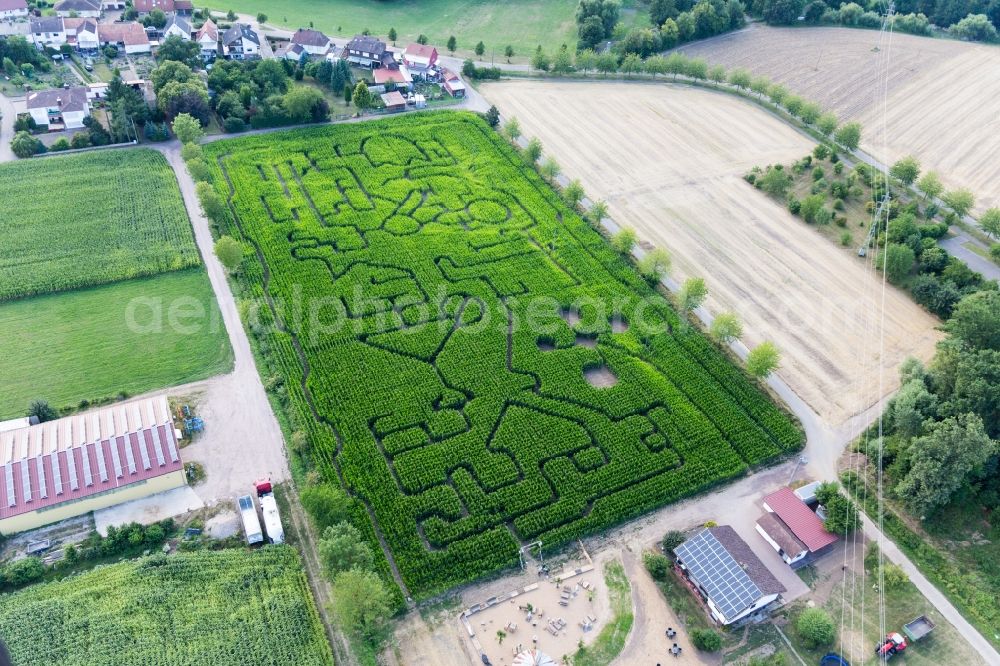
(399, 77)
(13, 9)
(421, 59)
(793, 529)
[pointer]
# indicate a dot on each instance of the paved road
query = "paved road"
(955, 246)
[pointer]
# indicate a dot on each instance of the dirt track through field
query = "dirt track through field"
(669, 161)
(943, 100)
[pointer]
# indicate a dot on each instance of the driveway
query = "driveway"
(9, 115)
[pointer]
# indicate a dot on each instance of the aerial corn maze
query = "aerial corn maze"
(468, 356)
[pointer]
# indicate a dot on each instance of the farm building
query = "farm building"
(793, 529)
(313, 42)
(17, 424)
(59, 108)
(78, 8)
(12, 9)
(394, 101)
(421, 59)
(69, 467)
(400, 77)
(452, 83)
(367, 52)
(723, 569)
(177, 26)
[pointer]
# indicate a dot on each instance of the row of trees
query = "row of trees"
(654, 265)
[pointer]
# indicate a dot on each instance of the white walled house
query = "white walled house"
(47, 31)
(177, 26)
(78, 9)
(208, 39)
(59, 108)
(13, 9)
(86, 36)
(793, 529)
(313, 42)
(240, 42)
(130, 37)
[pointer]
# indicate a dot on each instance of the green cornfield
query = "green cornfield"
(84, 220)
(465, 353)
(221, 608)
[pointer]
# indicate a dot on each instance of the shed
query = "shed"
(394, 101)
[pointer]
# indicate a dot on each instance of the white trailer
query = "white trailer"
(251, 523)
(269, 507)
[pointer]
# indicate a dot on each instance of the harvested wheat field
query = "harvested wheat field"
(943, 101)
(669, 160)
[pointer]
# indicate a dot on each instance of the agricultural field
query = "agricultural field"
(203, 608)
(79, 345)
(524, 24)
(469, 356)
(669, 162)
(83, 220)
(943, 95)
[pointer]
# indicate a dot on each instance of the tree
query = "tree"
(305, 104)
(906, 170)
(198, 169)
(672, 539)
(826, 123)
(841, 514)
(706, 640)
(607, 63)
(782, 11)
(452, 44)
(976, 28)
(422, 39)
(24, 145)
(563, 60)
(717, 74)
(508, 52)
(598, 211)
(849, 135)
(533, 150)
(930, 185)
(692, 294)
(775, 181)
(976, 320)
(392, 36)
(493, 116)
(726, 327)
(961, 201)
(631, 63)
(187, 129)
(230, 252)
(657, 565)
(898, 262)
(696, 68)
(342, 547)
(912, 405)
(763, 359)
(740, 78)
(211, 203)
(361, 97)
(573, 193)
(793, 104)
(361, 601)
(654, 265)
(230, 15)
(550, 169)
(178, 49)
(661, 10)
(811, 206)
(942, 461)
(539, 60)
(512, 129)
(624, 240)
(42, 410)
(816, 628)
(156, 18)
(990, 222)
(261, 18)
(480, 49)
(605, 11)
(670, 34)
(760, 85)
(501, 634)
(190, 97)
(326, 504)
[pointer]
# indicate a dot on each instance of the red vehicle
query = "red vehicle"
(893, 644)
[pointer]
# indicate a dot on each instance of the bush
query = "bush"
(60, 145)
(672, 539)
(706, 640)
(794, 205)
(816, 628)
(234, 125)
(657, 565)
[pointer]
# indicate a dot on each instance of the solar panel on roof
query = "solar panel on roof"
(115, 459)
(74, 483)
(171, 444)
(25, 481)
(102, 465)
(88, 474)
(726, 583)
(56, 472)
(129, 456)
(143, 451)
(9, 474)
(43, 490)
(157, 449)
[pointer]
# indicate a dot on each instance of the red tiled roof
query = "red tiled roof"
(11, 5)
(386, 74)
(800, 519)
(130, 34)
(393, 99)
(421, 51)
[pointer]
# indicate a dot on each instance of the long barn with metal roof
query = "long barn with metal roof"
(74, 465)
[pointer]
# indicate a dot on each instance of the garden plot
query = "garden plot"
(416, 264)
(669, 161)
(943, 99)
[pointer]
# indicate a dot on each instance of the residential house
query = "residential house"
(293, 52)
(112, 4)
(129, 37)
(240, 42)
(421, 60)
(47, 31)
(59, 108)
(793, 529)
(81, 33)
(184, 7)
(452, 83)
(734, 583)
(394, 101)
(13, 9)
(78, 8)
(368, 51)
(313, 42)
(400, 77)
(208, 39)
(177, 26)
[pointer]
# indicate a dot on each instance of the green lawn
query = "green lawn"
(611, 640)
(78, 345)
(524, 24)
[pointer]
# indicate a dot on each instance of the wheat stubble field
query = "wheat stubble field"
(943, 102)
(669, 160)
